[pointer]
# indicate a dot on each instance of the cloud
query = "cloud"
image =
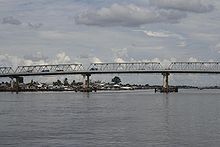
(192, 59)
(36, 57)
(160, 34)
(120, 54)
(14, 61)
(55, 35)
(95, 60)
(39, 59)
(84, 56)
(11, 20)
(197, 6)
(61, 58)
(217, 47)
(35, 26)
(182, 44)
(119, 60)
(156, 34)
(131, 15)
(128, 15)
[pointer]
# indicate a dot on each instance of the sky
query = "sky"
(84, 31)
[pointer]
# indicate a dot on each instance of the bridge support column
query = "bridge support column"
(86, 82)
(165, 82)
(17, 85)
(12, 83)
(18, 80)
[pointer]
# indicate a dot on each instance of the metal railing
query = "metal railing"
(6, 70)
(137, 66)
(49, 68)
(192, 66)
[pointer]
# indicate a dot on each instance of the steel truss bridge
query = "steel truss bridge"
(113, 68)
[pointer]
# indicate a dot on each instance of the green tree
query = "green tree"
(59, 83)
(116, 80)
(73, 82)
(65, 82)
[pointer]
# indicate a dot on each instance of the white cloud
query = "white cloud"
(217, 47)
(131, 15)
(61, 58)
(14, 61)
(182, 44)
(160, 34)
(120, 53)
(156, 34)
(95, 60)
(128, 15)
(198, 6)
(192, 59)
(35, 57)
(119, 60)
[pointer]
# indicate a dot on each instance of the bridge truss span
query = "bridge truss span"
(111, 68)
(6, 70)
(117, 67)
(49, 68)
(195, 66)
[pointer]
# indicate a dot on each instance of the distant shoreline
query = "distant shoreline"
(65, 90)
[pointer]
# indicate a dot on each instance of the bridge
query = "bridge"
(112, 68)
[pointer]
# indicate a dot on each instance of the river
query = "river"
(111, 119)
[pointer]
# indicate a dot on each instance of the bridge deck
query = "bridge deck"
(108, 72)
(112, 68)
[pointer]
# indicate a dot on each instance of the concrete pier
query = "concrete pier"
(86, 83)
(165, 82)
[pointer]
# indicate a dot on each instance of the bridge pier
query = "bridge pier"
(86, 83)
(15, 86)
(165, 82)
(12, 83)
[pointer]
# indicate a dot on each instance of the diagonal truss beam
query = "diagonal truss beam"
(6, 70)
(195, 66)
(136, 66)
(49, 68)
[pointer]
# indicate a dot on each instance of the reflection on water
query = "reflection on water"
(123, 118)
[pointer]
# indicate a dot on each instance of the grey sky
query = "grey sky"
(83, 31)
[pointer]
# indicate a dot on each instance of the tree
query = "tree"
(73, 82)
(65, 82)
(57, 83)
(116, 80)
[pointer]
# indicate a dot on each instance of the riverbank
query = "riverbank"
(155, 89)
